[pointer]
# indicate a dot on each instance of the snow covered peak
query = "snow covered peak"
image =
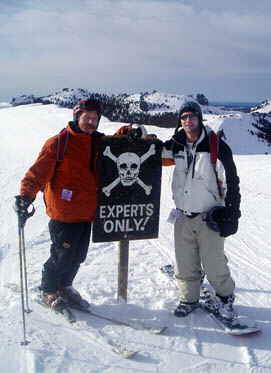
(264, 108)
(154, 101)
(158, 101)
(122, 106)
(67, 97)
(23, 100)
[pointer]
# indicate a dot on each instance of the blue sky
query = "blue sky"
(219, 48)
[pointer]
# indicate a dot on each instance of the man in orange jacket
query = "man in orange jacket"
(70, 195)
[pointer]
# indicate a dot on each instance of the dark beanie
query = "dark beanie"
(189, 106)
(87, 105)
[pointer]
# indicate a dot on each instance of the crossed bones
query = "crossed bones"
(147, 188)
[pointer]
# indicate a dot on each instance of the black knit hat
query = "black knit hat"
(87, 105)
(189, 106)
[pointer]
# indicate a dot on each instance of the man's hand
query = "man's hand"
(22, 203)
(21, 208)
(150, 136)
(227, 228)
(124, 130)
(223, 220)
(138, 132)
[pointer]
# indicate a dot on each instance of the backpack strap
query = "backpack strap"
(214, 149)
(62, 143)
(214, 145)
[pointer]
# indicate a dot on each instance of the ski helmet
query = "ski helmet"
(87, 105)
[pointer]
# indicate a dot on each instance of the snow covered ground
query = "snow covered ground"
(193, 344)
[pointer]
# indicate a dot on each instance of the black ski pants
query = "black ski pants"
(69, 248)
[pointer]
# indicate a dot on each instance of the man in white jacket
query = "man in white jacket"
(200, 186)
(207, 199)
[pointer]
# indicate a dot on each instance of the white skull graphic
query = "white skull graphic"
(128, 165)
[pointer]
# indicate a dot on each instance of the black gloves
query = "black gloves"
(223, 220)
(228, 228)
(21, 205)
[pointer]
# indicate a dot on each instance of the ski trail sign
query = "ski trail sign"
(130, 188)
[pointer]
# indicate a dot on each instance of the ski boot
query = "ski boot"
(225, 308)
(53, 301)
(70, 294)
(73, 297)
(185, 308)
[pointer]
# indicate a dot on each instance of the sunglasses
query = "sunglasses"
(190, 116)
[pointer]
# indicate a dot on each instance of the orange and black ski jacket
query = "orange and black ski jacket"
(69, 186)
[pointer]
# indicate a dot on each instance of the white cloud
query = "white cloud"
(128, 44)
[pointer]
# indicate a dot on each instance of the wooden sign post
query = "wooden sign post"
(123, 267)
(129, 200)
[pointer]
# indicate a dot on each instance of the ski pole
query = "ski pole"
(27, 310)
(24, 342)
(23, 215)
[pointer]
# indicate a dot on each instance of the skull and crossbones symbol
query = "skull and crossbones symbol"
(128, 165)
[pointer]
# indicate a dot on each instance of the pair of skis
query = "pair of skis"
(85, 307)
(237, 326)
(67, 311)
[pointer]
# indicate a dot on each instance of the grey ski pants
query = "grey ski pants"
(196, 245)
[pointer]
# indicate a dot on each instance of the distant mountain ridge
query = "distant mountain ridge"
(262, 120)
(154, 108)
(154, 101)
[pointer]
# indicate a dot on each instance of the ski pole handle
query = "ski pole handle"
(21, 208)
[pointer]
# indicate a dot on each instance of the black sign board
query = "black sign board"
(130, 179)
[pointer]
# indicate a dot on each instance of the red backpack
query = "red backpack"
(62, 143)
(214, 149)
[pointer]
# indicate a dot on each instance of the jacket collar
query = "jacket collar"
(180, 136)
(73, 132)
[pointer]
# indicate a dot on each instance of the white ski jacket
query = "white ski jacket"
(194, 184)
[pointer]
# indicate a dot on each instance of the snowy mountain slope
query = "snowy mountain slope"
(166, 102)
(157, 102)
(237, 128)
(193, 344)
(161, 101)
(68, 96)
(4, 105)
(264, 108)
